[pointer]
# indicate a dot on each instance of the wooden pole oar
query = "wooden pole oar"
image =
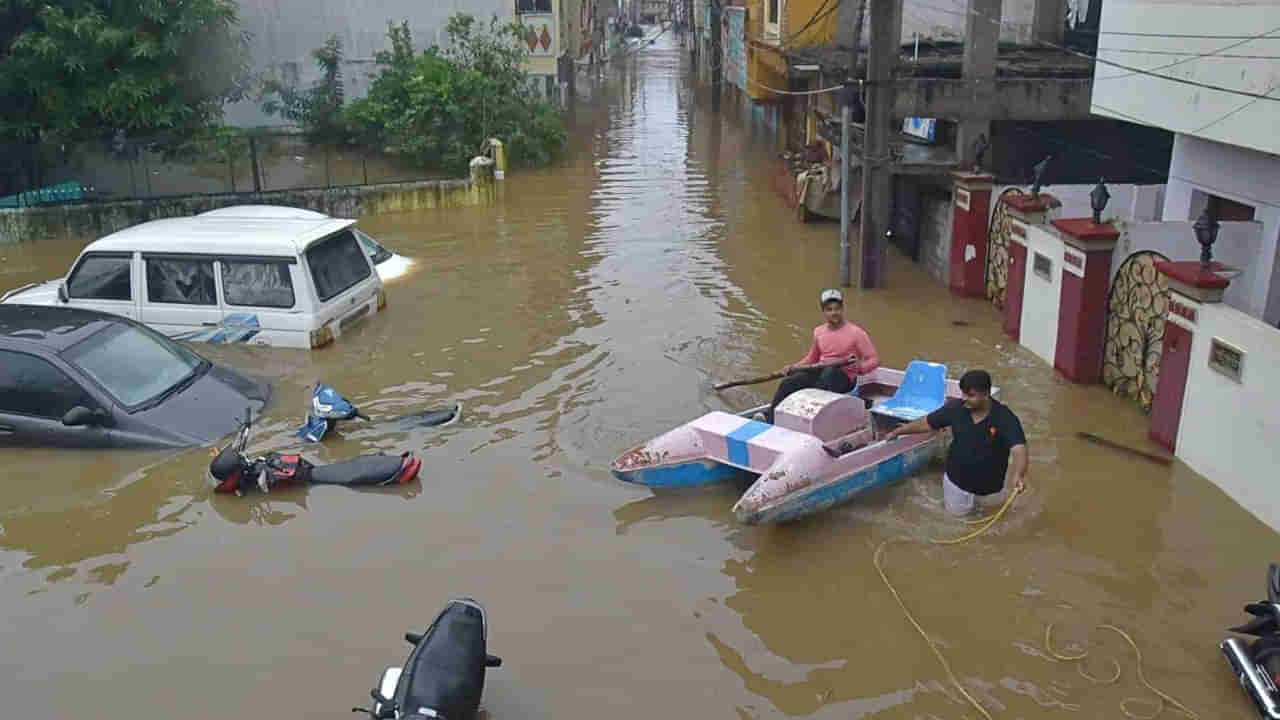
(1124, 448)
(775, 376)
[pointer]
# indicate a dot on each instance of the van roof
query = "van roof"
(264, 211)
(238, 235)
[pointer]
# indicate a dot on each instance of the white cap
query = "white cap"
(832, 294)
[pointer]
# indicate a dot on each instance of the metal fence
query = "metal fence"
(111, 169)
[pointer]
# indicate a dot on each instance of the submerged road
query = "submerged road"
(592, 308)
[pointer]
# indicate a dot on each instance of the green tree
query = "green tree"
(318, 109)
(70, 66)
(438, 108)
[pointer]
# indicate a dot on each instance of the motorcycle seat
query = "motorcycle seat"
(364, 470)
(445, 672)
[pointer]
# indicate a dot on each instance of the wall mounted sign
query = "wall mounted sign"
(1073, 260)
(1226, 358)
(1184, 310)
(962, 199)
(1042, 266)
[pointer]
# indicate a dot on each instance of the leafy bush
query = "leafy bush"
(440, 107)
(76, 67)
(318, 109)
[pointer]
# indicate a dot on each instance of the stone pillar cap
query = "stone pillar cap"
(967, 177)
(1085, 234)
(1026, 203)
(1194, 274)
(1191, 279)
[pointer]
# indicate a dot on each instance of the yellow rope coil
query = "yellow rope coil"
(986, 524)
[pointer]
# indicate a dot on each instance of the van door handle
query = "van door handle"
(209, 324)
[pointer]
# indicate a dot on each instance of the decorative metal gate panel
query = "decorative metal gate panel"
(1136, 308)
(998, 233)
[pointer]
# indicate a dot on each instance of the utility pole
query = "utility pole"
(717, 53)
(877, 166)
(847, 96)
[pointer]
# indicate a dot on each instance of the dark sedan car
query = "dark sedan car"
(81, 378)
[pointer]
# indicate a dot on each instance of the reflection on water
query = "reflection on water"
(592, 307)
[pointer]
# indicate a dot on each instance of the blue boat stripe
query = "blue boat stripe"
(739, 453)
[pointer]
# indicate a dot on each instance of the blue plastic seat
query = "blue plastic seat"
(923, 390)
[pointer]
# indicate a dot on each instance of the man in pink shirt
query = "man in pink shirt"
(833, 341)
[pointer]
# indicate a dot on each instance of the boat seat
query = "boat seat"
(923, 390)
(821, 413)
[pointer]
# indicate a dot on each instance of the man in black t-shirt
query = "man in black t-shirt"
(986, 437)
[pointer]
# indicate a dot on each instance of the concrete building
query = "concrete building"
(655, 11)
(1226, 151)
(1208, 72)
(285, 32)
(1010, 73)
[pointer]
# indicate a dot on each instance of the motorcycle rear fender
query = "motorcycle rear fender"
(1259, 626)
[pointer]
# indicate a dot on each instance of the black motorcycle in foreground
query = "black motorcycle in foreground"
(444, 675)
(1257, 664)
(231, 471)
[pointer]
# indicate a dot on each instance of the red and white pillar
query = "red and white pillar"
(1191, 288)
(1082, 310)
(971, 193)
(1026, 210)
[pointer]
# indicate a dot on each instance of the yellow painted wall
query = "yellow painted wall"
(797, 14)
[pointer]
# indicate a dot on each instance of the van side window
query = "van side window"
(102, 277)
(337, 263)
(31, 386)
(182, 281)
(257, 283)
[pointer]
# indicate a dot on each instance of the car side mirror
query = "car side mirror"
(62, 293)
(81, 416)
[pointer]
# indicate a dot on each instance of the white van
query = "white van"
(389, 265)
(284, 282)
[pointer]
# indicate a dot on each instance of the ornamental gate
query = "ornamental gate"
(1136, 307)
(998, 233)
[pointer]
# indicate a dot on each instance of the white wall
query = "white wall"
(936, 214)
(286, 31)
(1197, 56)
(1041, 298)
(1237, 246)
(1228, 430)
(1137, 202)
(1246, 176)
(946, 20)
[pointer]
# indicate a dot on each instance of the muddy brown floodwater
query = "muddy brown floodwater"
(592, 308)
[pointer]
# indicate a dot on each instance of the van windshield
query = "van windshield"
(337, 263)
(377, 253)
(135, 365)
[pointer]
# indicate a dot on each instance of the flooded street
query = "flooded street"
(592, 308)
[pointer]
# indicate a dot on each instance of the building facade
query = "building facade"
(1205, 81)
(1208, 72)
(283, 33)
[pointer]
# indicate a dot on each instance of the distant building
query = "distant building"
(285, 32)
(1226, 151)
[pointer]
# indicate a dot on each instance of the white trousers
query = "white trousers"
(962, 502)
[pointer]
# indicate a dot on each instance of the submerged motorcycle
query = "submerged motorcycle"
(231, 471)
(327, 407)
(1257, 663)
(444, 675)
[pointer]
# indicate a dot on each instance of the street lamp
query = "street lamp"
(1098, 198)
(980, 147)
(1206, 227)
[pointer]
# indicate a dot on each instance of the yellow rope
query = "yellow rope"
(986, 524)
